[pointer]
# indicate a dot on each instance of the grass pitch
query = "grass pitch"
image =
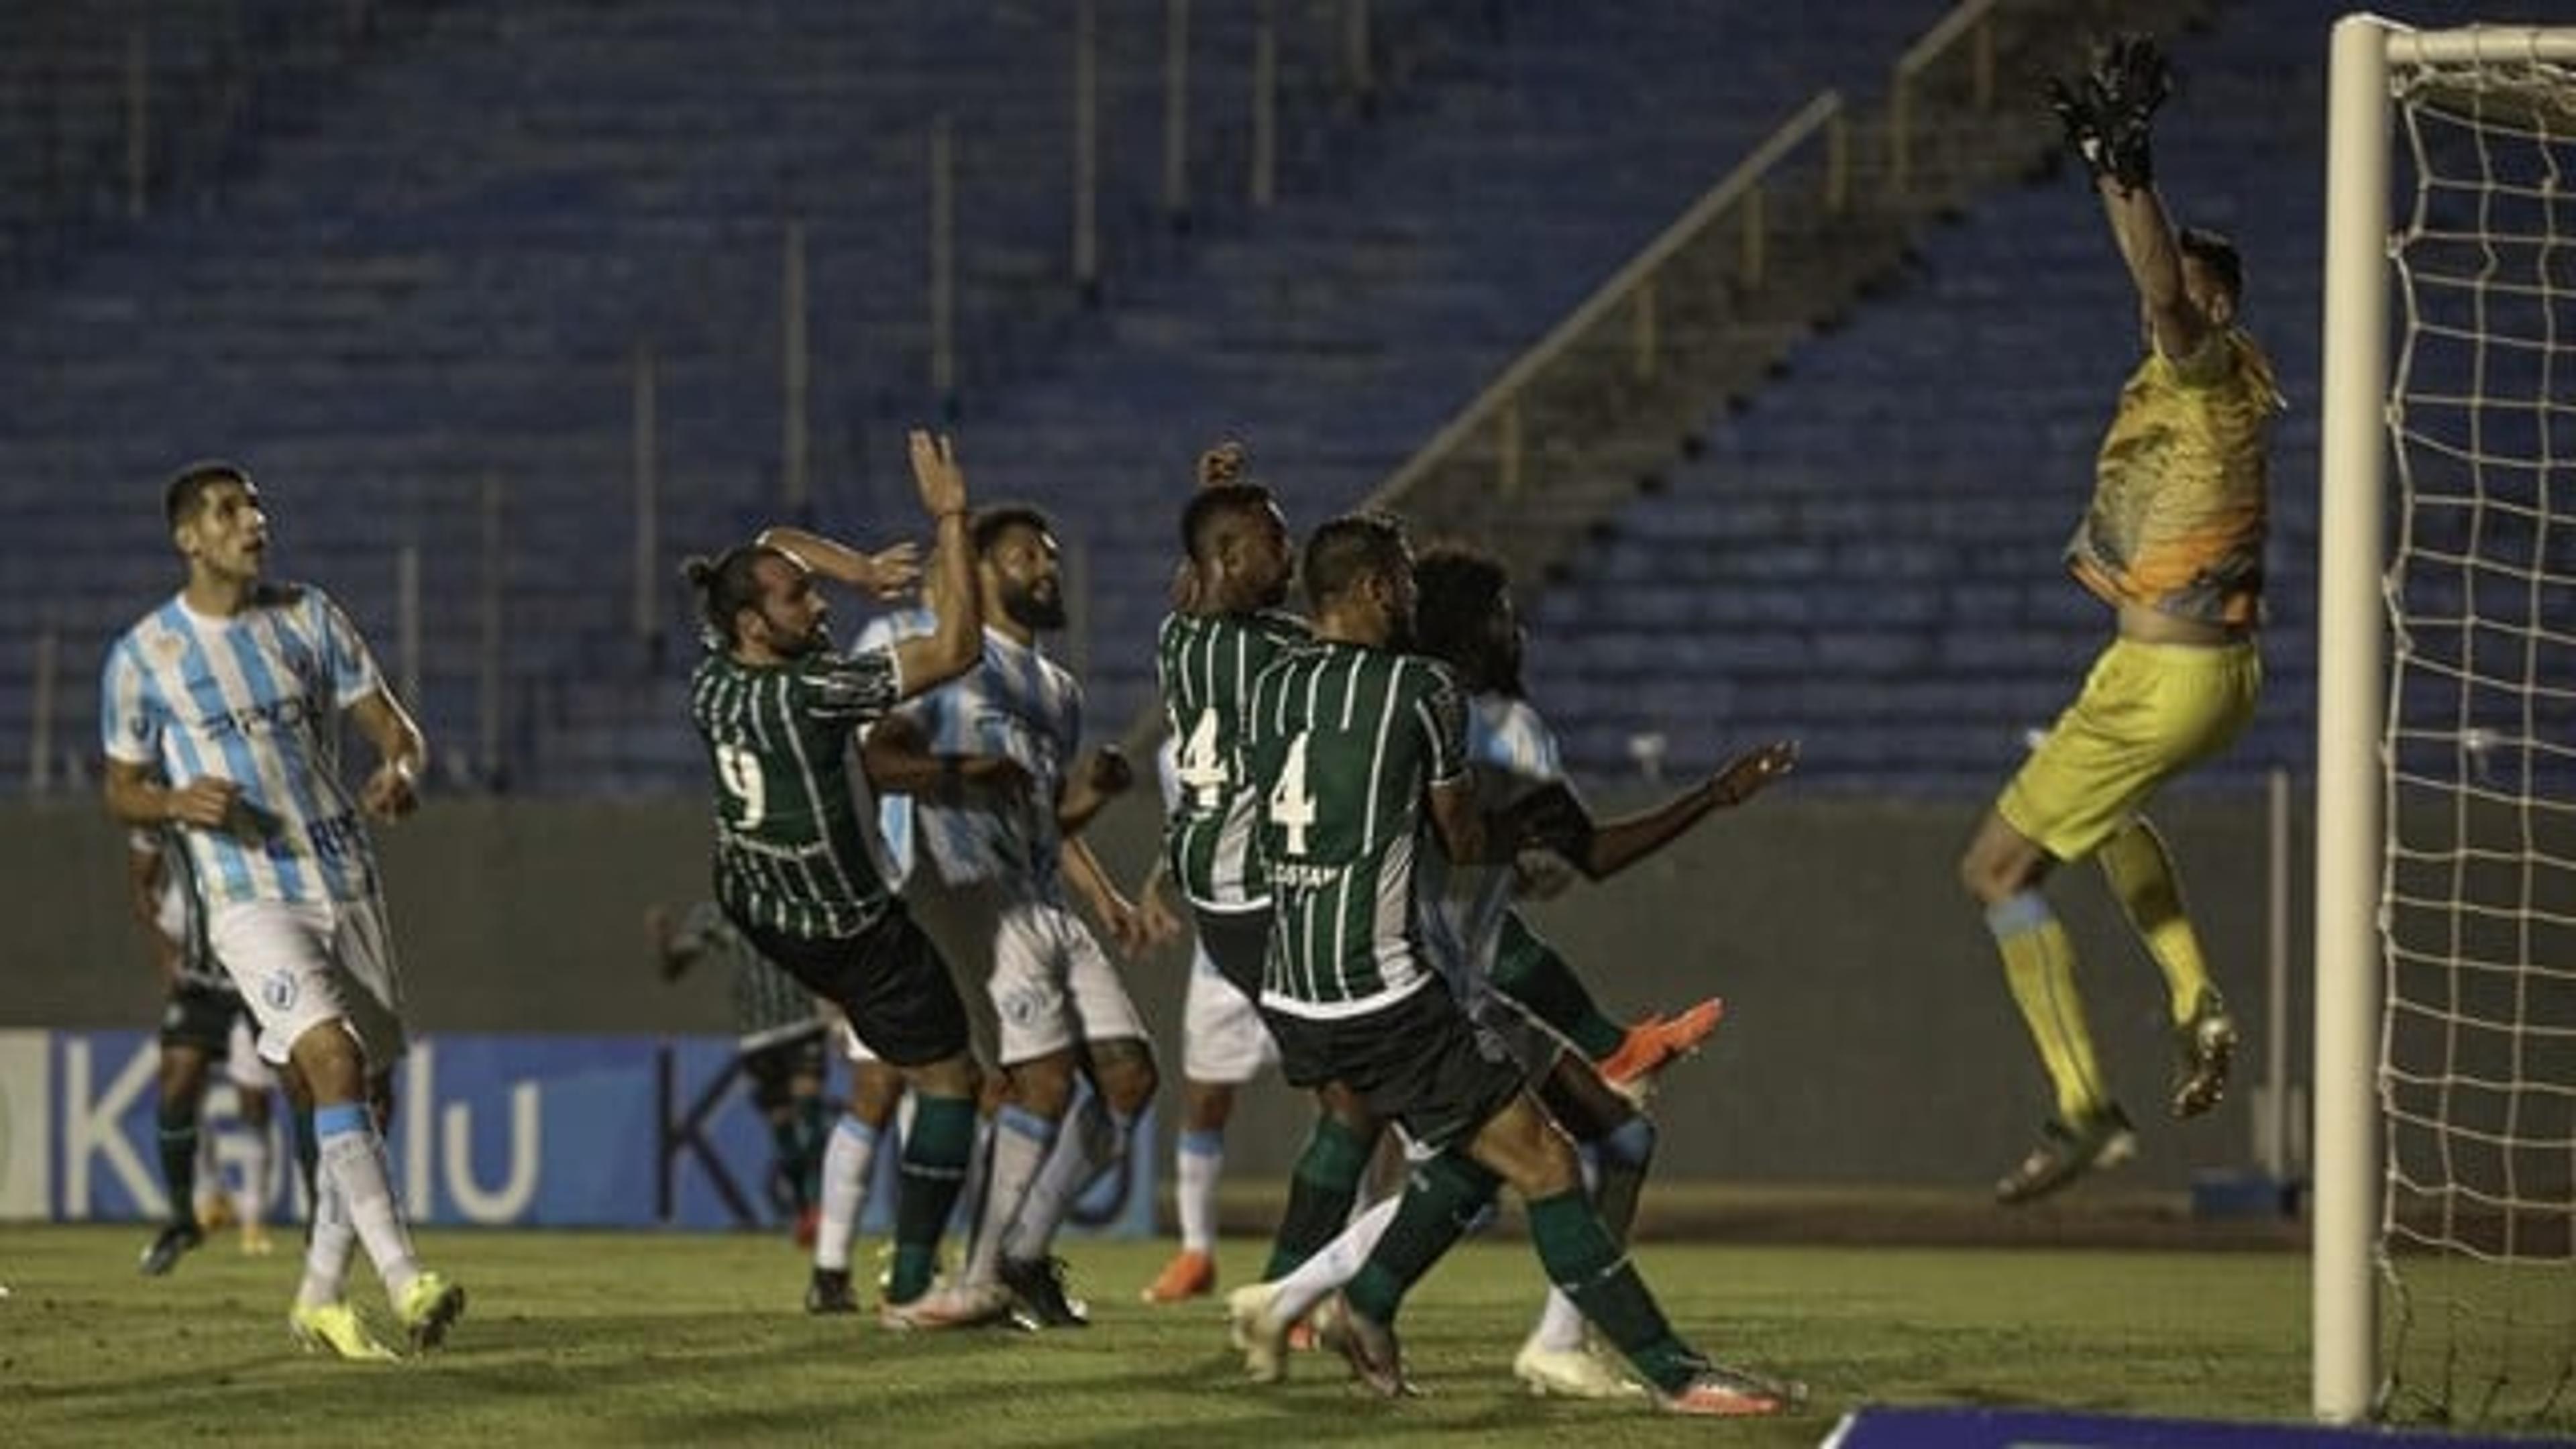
(595, 1338)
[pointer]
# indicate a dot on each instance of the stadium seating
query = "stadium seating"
(1868, 554)
(439, 282)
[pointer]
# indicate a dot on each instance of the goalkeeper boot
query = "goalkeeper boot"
(2204, 1048)
(174, 1243)
(335, 1329)
(1654, 1044)
(428, 1308)
(2067, 1151)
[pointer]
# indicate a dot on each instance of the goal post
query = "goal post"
(2478, 403)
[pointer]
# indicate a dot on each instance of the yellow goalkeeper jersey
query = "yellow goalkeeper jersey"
(2179, 497)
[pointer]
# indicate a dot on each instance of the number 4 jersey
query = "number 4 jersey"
(1344, 743)
(1207, 665)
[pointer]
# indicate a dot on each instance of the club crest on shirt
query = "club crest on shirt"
(279, 989)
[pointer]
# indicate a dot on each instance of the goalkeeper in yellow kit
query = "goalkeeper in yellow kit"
(2173, 542)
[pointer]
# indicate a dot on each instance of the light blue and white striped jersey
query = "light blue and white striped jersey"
(1018, 703)
(1511, 753)
(254, 699)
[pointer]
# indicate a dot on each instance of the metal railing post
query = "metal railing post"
(1086, 148)
(647, 600)
(138, 121)
(1265, 106)
(1359, 69)
(1176, 112)
(1643, 329)
(795, 366)
(490, 680)
(407, 674)
(42, 708)
(943, 261)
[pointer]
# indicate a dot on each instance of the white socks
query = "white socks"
(1197, 1164)
(846, 1160)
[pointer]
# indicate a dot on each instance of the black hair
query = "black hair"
(186, 491)
(2214, 251)
(728, 584)
(1213, 507)
(991, 523)
(1350, 550)
(1461, 589)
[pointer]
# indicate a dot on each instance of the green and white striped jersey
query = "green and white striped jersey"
(1344, 743)
(793, 851)
(1206, 665)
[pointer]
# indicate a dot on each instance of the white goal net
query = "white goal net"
(2477, 1068)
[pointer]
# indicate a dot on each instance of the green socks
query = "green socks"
(1441, 1197)
(934, 1168)
(1327, 1181)
(1581, 1260)
(1528, 970)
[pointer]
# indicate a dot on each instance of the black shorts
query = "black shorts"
(1237, 943)
(773, 1069)
(1418, 1062)
(888, 980)
(200, 1017)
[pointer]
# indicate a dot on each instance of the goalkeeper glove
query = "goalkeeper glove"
(2109, 111)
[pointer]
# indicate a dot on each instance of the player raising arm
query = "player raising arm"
(2173, 542)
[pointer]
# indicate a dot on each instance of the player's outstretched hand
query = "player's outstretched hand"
(895, 570)
(1752, 772)
(1225, 463)
(2109, 111)
(935, 471)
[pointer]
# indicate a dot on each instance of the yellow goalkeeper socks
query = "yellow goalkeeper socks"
(2039, 964)
(2141, 875)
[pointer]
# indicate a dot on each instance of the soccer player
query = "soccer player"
(201, 1020)
(1490, 957)
(2173, 542)
(1223, 1046)
(231, 692)
(1358, 752)
(996, 806)
(1225, 629)
(779, 1043)
(794, 867)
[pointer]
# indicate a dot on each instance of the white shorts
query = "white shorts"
(302, 964)
(242, 1066)
(1047, 984)
(1222, 1039)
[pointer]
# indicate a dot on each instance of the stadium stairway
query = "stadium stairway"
(1864, 553)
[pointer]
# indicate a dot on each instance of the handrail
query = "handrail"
(1944, 34)
(1966, 20)
(1712, 206)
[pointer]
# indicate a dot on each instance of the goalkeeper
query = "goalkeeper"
(2173, 542)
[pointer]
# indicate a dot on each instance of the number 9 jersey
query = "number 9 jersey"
(793, 854)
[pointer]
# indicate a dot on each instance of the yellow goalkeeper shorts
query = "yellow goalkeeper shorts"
(2147, 713)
